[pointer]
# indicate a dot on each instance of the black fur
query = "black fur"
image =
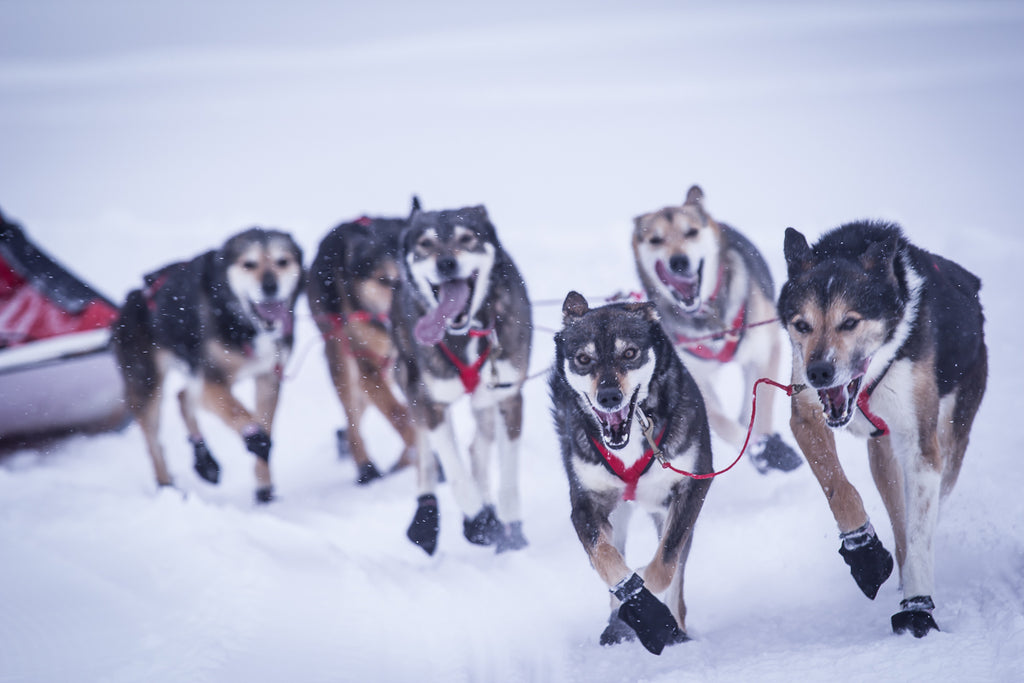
(351, 250)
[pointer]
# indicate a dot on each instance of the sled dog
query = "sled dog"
(352, 280)
(615, 370)
(716, 299)
(223, 316)
(462, 327)
(888, 340)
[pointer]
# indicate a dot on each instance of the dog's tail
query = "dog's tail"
(132, 339)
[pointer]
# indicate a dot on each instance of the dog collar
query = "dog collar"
(630, 475)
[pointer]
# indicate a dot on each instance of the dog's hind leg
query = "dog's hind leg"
(958, 412)
(379, 390)
(147, 412)
(344, 375)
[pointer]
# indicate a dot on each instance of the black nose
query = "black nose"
(821, 373)
(680, 263)
(269, 284)
(447, 266)
(609, 397)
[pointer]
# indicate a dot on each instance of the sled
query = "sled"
(58, 374)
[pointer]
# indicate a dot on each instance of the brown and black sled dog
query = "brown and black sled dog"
(226, 315)
(617, 389)
(352, 281)
(889, 341)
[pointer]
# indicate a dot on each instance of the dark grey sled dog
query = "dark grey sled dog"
(615, 367)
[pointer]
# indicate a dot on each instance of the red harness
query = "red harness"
(881, 428)
(469, 373)
(733, 335)
(630, 475)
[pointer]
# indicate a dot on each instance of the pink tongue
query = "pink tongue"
(272, 311)
(686, 286)
(452, 300)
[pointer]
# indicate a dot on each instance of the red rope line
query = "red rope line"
(790, 389)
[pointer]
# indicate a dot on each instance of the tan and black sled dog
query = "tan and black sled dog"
(889, 341)
(716, 299)
(617, 390)
(352, 281)
(226, 315)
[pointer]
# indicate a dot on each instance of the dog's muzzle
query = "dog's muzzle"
(615, 424)
(451, 314)
(272, 312)
(685, 288)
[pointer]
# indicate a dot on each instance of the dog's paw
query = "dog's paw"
(425, 524)
(617, 631)
(484, 528)
(512, 538)
(916, 617)
(652, 621)
(205, 466)
(258, 443)
(770, 452)
(366, 473)
(265, 494)
(870, 563)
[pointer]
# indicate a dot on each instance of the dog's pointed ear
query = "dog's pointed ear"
(694, 195)
(415, 208)
(574, 306)
(798, 252)
(880, 256)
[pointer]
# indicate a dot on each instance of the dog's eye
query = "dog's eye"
(282, 262)
(467, 240)
(250, 265)
(801, 326)
(425, 243)
(657, 240)
(848, 324)
(583, 359)
(630, 353)
(691, 233)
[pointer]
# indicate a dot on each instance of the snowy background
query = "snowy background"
(133, 134)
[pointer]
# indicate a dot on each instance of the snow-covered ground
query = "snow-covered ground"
(137, 133)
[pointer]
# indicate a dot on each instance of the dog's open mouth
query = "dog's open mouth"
(615, 424)
(452, 312)
(685, 288)
(272, 312)
(839, 402)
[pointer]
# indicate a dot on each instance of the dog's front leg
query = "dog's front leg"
(819, 447)
(639, 611)
(870, 563)
(922, 479)
(218, 399)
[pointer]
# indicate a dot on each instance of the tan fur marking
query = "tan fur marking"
(819, 447)
(607, 560)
